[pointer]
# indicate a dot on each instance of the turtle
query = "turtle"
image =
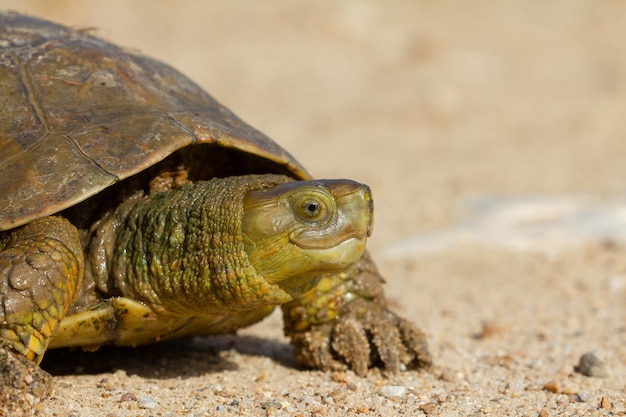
(136, 208)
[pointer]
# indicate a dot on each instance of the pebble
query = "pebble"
(428, 408)
(392, 390)
(271, 405)
(143, 401)
(328, 400)
(605, 403)
(569, 390)
(128, 396)
(592, 364)
(552, 386)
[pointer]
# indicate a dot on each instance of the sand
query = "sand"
(493, 137)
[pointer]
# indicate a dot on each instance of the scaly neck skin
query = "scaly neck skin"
(181, 251)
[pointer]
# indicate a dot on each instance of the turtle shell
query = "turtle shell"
(80, 114)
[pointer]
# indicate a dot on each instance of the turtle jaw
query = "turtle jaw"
(295, 232)
(324, 261)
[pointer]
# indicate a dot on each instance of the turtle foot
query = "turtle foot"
(344, 323)
(365, 335)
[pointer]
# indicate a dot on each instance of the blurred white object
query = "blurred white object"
(524, 224)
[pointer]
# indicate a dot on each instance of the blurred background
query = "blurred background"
(436, 104)
(493, 135)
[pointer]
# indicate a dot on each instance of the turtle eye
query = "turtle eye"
(312, 209)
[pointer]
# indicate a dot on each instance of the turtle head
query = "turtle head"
(182, 250)
(296, 231)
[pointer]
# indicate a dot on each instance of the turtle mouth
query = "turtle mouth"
(310, 244)
(316, 262)
(337, 257)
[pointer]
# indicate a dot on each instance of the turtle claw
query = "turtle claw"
(345, 324)
(367, 335)
(349, 342)
(22, 383)
(363, 338)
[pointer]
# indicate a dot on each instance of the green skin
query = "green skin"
(207, 249)
(204, 258)
(228, 245)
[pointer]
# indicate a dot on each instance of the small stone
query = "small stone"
(143, 401)
(318, 410)
(592, 364)
(428, 408)
(448, 375)
(120, 373)
(569, 391)
(339, 377)
(362, 410)
(392, 390)
(605, 403)
(128, 396)
(271, 405)
(489, 330)
(338, 395)
(552, 386)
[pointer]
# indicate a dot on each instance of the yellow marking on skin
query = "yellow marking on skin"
(38, 320)
(35, 346)
(43, 304)
(53, 311)
(325, 285)
(9, 334)
(49, 327)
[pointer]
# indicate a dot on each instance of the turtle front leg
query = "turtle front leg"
(345, 322)
(41, 268)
